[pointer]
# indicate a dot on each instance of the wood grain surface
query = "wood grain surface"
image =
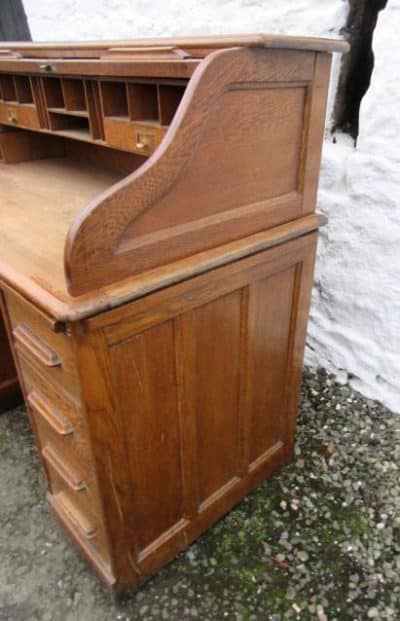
(157, 245)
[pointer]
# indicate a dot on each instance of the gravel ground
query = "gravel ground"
(318, 541)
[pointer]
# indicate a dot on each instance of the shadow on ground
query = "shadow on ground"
(319, 540)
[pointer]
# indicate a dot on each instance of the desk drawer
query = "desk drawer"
(58, 417)
(36, 340)
(71, 481)
(76, 499)
(75, 502)
(63, 442)
(64, 446)
(140, 138)
(19, 115)
(91, 541)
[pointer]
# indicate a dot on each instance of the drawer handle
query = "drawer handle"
(64, 471)
(47, 67)
(144, 141)
(12, 116)
(67, 510)
(51, 415)
(38, 348)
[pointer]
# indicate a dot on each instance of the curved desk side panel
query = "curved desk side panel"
(242, 155)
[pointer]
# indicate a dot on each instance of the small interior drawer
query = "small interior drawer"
(19, 115)
(18, 101)
(141, 138)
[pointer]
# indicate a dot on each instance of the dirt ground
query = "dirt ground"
(318, 541)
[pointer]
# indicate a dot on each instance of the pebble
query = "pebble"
(373, 613)
(321, 616)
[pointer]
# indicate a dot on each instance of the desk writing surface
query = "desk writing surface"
(38, 201)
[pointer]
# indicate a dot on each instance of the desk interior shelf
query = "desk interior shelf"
(129, 115)
(19, 105)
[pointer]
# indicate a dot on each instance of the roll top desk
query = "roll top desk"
(157, 242)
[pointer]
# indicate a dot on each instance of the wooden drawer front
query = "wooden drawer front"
(137, 137)
(79, 499)
(58, 418)
(36, 341)
(19, 115)
(75, 502)
(85, 531)
(49, 378)
(65, 480)
(63, 443)
(56, 462)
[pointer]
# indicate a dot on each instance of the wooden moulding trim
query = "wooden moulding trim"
(99, 67)
(289, 202)
(134, 287)
(95, 48)
(214, 511)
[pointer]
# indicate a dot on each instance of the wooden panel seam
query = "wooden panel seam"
(284, 428)
(192, 293)
(186, 387)
(244, 385)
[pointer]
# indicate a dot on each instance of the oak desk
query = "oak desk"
(157, 243)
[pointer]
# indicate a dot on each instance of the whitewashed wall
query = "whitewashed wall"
(354, 328)
(355, 322)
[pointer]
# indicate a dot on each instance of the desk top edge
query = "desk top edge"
(66, 309)
(195, 42)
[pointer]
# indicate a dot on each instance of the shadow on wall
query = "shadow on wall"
(13, 22)
(357, 66)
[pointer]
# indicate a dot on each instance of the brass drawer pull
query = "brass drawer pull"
(51, 415)
(64, 471)
(47, 67)
(144, 141)
(34, 344)
(67, 510)
(12, 116)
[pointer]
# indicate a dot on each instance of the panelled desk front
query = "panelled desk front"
(157, 243)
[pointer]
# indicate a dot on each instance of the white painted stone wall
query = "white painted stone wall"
(355, 319)
(354, 328)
